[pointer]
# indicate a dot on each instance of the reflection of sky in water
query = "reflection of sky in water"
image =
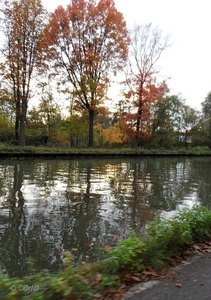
(188, 202)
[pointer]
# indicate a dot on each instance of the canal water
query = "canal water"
(48, 207)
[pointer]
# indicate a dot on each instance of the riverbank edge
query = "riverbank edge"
(45, 152)
(72, 155)
(135, 259)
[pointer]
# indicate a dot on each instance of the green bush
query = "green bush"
(199, 221)
(127, 254)
(17, 149)
(170, 235)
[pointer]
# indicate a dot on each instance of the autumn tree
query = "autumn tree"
(23, 23)
(89, 40)
(147, 46)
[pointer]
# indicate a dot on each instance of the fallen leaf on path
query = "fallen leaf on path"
(196, 247)
(176, 261)
(171, 277)
(136, 278)
(178, 284)
(149, 273)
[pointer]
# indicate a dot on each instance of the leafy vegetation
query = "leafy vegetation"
(131, 258)
(6, 149)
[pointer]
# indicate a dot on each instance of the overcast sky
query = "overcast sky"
(188, 61)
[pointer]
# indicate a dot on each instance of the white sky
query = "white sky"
(188, 61)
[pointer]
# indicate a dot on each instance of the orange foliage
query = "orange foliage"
(88, 40)
(139, 123)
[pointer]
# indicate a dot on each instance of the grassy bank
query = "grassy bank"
(5, 149)
(132, 259)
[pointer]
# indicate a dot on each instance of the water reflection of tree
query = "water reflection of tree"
(131, 186)
(200, 185)
(81, 230)
(170, 182)
(13, 240)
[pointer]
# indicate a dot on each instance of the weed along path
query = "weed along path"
(189, 281)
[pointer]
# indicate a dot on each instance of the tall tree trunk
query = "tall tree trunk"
(22, 132)
(91, 125)
(137, 132)
(16, 95)
(139, 114)
(17, 119)
(23, 122)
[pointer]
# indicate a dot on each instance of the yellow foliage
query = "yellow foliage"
(111, 136)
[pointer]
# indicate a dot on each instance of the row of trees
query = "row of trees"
(78, 51)
(172, 124)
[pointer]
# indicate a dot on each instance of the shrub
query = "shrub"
(199, 220)
(170, 235)
(128, 253)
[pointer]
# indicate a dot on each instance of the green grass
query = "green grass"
(165, 239)
(104, 151)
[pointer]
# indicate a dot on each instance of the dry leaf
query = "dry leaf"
(135, 278)
(178, 284)
(171, 277)
(106, 248)
(149, 273)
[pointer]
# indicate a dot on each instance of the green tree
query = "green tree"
(7, 114)
(190, 119)
(77, 130)
(43, 120)
(167, 122)
(6, 128)
(206, 119)
(206, 106)
(35, 128)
